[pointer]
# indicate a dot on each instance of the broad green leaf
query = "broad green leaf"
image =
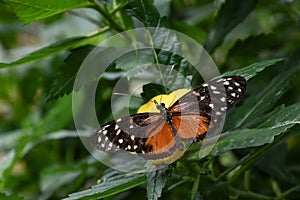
(255, 106)
(145, 12)
(282, 116)
(34, 10)
(252, 70)
(230, 15)
(52, 49)
(109, 187)
(135, 62)
(65, 77)
(152, 89)
(247, 51)
(156, 181)
(276, 123)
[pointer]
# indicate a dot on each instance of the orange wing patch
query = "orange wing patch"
(161, 142)
(191, 126)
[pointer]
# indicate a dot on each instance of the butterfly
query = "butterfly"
(159, 135)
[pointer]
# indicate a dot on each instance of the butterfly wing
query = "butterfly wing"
(202, 108)
(150, 135)
(145, 133)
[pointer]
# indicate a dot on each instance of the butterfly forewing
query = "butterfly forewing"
(204, 107)
(157, 135)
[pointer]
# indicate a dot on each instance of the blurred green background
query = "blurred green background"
(40, 154)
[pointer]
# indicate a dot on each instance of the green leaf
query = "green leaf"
(145, 12)
(150, 90)
(52, 49)
(230, 15)
(247, 51)
(53, 179)
(252, 70)
(135, 62)
(6, 164)
(33, 133)
(64, 80)
(274, 124)
(156, 180)
(262, 102)
(34, 10)
(110, 186)
(195, 188)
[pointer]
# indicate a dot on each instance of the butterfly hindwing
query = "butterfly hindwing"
(145, 133)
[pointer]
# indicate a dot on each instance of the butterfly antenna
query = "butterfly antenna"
(170, 72)
(121, 94)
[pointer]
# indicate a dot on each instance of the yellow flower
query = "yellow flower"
(167, 99)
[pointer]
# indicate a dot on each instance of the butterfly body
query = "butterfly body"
(157, 135)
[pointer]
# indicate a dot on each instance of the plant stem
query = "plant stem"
(250, 194)
(283, 195)
(119, 7)
(108, 17)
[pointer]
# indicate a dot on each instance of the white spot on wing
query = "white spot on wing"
(118, 131)
(104, 132)
(120, 141)
(223, 99)
(226, 83)
(211, 105)
(213, 87)
(118, 120)
(106, 126)
(196, 93)
(223, 108)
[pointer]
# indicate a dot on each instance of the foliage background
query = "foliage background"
(42, 44)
